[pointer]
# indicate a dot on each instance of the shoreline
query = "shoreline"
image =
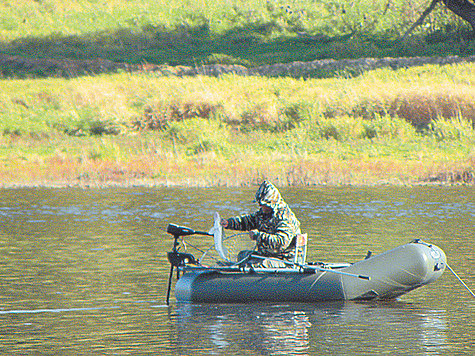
(442, 180)
(93, 186)
(208, 170)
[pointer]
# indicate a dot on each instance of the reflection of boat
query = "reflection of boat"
(384, 276)
(331, 328)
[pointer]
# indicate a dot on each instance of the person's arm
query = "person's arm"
(243, 222)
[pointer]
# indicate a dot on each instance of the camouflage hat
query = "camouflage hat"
(268, 195)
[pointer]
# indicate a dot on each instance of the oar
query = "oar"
(314, 267)
(460, 279)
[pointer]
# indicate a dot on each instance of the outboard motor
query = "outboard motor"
(179, 259)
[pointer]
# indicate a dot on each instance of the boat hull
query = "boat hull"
(392, 274)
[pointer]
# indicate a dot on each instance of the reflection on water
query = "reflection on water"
(331, 328)
(85, 272)
(35, 311)
(244, 329)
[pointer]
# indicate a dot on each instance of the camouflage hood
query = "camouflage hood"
(269, 195)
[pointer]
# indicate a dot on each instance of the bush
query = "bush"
(95, 127)
(387, 127)
(446, 129)
(161, 115)
(422, 107)
(198, 135)
(339, 128)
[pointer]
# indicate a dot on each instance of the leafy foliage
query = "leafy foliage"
(249, 33)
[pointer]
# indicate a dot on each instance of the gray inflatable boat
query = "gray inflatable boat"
(384, 276)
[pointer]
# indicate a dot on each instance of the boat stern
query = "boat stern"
(396, 271)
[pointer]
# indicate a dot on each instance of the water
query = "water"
(85, 272)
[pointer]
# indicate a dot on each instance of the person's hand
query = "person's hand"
(224, 223)
(253, 234)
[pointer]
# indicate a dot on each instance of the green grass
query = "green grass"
(404, 126)
(251, 32)
(383, 126)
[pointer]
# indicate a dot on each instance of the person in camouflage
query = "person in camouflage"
(274, 226)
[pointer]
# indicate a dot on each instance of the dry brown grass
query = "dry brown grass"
(420, 107)
(211, 172)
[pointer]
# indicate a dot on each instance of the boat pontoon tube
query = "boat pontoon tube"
(392, 274)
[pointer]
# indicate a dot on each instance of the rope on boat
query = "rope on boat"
(321, 269)
(233, 247)
(198, 249)
(238, 234)
(460, 279)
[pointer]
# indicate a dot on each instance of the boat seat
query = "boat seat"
(300, 249)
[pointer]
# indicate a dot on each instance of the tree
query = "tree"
(465, 9)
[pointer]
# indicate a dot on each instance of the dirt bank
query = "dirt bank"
(16, 66)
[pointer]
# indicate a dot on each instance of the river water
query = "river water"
(84, 271)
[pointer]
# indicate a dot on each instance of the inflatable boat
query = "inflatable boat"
(384, 276)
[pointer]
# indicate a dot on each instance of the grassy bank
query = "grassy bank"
(400, 127)
(249, 33)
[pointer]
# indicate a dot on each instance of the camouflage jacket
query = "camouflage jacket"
(277, 229)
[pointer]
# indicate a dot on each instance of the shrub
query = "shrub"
(198, 135)
(387, 127)
(160, 116)
(95, 127)
(422, 107)
(450, 129)
(338, 128)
